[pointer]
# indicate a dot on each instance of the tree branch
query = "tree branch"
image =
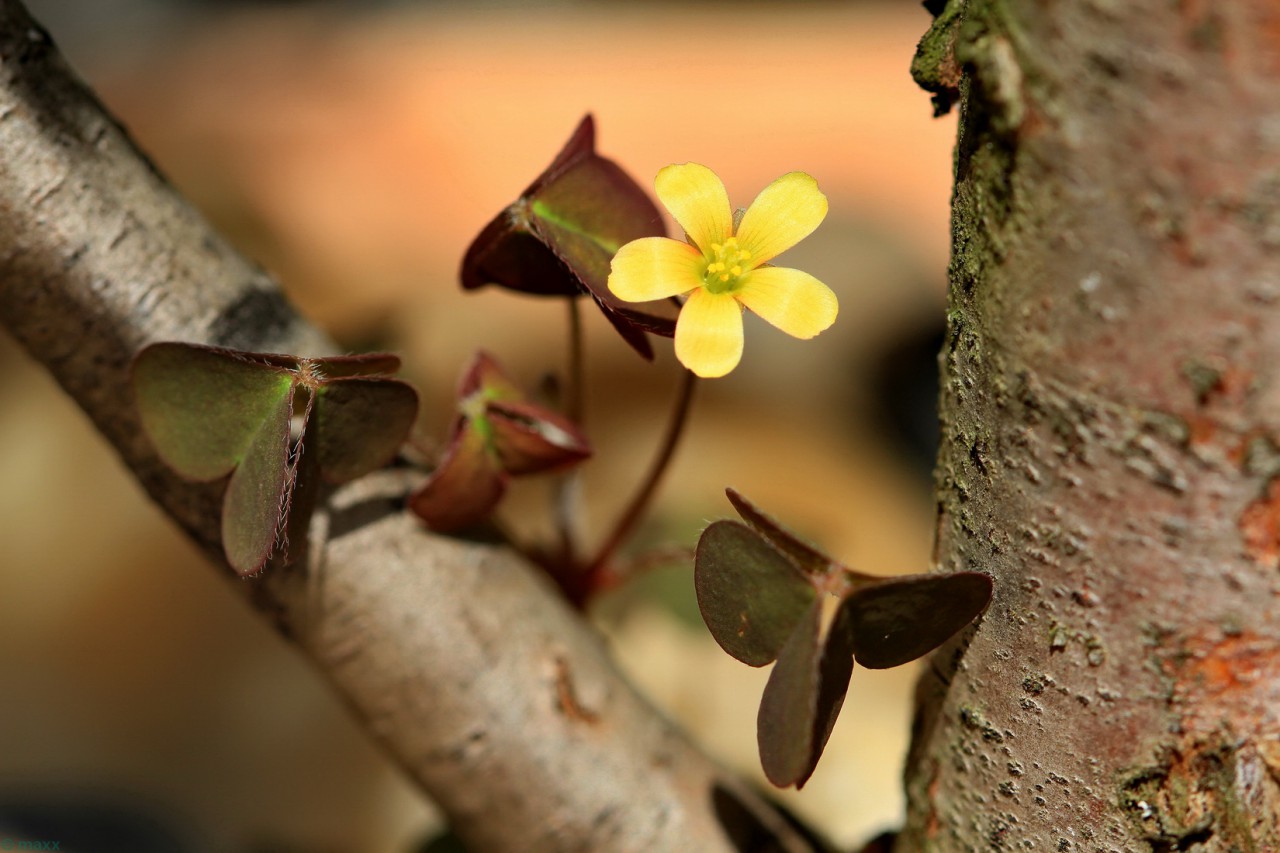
(1111, 417)
(459, 659)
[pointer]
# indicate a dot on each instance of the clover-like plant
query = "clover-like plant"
(498, 433)
(211, 412)
(585, 226)
(762, 591)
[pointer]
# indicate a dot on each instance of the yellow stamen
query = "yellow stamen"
(726, 265)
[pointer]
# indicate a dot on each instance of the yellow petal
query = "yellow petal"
(794, 301)
(709, 333)
(698, 201)
(782, 215)
(654, 268)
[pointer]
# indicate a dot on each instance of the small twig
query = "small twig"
(613, 575)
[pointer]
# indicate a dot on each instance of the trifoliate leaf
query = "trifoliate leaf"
(212, 411)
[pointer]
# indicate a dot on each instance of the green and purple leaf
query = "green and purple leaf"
(751, 596)
(802, 698)
(256, 505)
(212, 412)
(464, 490)
(359, 425)
(559, 237)
(900, 619)
(498, 434)
(203, 406)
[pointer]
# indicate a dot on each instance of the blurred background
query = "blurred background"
(354, 149)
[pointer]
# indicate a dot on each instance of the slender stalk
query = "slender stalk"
(573, 392)
(640, 502)
(566, 486)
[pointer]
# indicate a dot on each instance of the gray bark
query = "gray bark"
(461, 660)
(1111, 420)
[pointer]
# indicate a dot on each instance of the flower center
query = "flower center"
(727, 264)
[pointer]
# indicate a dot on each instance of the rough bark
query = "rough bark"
(1111, 422)
(459, 659)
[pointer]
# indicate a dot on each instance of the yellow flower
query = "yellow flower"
(725, 269)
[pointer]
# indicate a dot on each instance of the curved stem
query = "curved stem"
(640, 502)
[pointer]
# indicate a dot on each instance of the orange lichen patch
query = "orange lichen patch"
(1219, 777)
(1233, 386)
(1260, 526)
(1233, 681)
(1202, 430)
(1221, 392)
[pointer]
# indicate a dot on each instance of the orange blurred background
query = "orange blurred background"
(354, 154)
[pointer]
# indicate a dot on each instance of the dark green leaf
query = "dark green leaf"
(803, 698)
(807, 558)
(257, 498)
(750, 595)
(203, 406)
(900, 619)
(359, 425)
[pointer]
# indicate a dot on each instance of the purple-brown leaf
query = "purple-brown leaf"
(803, 698)
(804, 556)
(360, 364)
(466, 487)
(900, 619)
(750, 595)
(529, 439)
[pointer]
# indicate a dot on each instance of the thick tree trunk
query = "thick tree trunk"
(461, 660)
(1111, 431)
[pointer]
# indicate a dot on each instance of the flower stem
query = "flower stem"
(640, 502)
(573, 392)
(566, 487)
